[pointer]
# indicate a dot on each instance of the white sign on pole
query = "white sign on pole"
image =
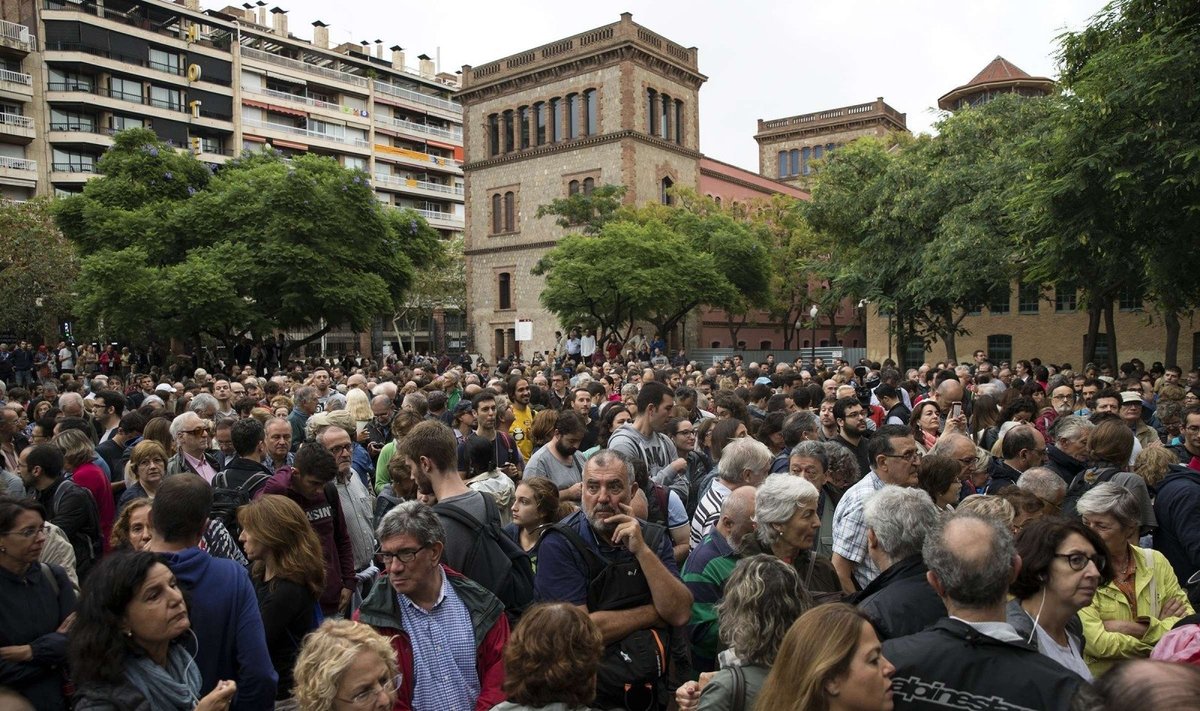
(524, 330)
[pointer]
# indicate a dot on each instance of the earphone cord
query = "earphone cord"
(1036, 618)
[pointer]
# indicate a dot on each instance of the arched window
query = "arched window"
(573, 187)
(539, 119)
(493, 134)
(679, 121)
(572, 116)
(504, 282)
(818, 152)
(804, 155)
(651, 110)
(508, 131)
(591, 112)
(764, 345)
(667, 184)
(555, 120)
(589, 184)
(497, 214)
(718, 199)
(795, 166)
(664, 128)
(783, 164)
(523, 118)
(510, 212)
(715, 344)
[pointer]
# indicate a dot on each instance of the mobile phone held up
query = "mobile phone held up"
(956, 409)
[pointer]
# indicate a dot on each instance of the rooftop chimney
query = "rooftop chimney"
(262, 12)
(279, 21)
(379, 49)
(192, 4)
(320, 35)
(397, 57)
(426, 66)
(366, 48)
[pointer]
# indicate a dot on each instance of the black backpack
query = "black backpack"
(1080, 486)
(495, 561)
(633, 670)
(228, 499)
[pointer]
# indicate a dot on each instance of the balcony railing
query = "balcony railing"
(12, 33)
(304, 66)
(16, 120)
(418, 97)
(73, 167)
(455, 134)
(18, 163)
(297, 131)
(436, 215)
(274, 94)
(16, 77)
(417, 156)
(417, 184)
(174, 69)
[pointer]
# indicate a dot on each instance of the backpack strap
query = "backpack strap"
(593, 562)
(49, 575)
(469, 522)
(738, 692)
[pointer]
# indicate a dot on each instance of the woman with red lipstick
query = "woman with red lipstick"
(1063, 563)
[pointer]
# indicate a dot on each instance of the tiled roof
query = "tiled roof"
(999, 69)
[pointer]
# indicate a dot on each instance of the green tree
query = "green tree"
(441, 283)
(262, 244)
(587, 212)
(38, 266)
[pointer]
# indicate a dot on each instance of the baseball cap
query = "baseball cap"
(762, 380)
(1128, 397)
(164, 388)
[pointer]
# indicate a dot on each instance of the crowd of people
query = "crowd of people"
(602, 528)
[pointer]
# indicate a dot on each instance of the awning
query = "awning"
(439, 144)
(289, 111)
(256, 104)
(288, 144)
(256, 139)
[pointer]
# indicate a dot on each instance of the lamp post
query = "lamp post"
(812, 313)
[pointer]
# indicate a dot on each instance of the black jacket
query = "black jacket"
(1177, 508)
(900, 601)
(72, 508)
(1000, 476)
(1063, 464)
(961, 667)
(239, 470)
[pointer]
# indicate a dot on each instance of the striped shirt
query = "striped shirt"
(708, 510)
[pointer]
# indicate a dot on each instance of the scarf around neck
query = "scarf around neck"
(176, 686)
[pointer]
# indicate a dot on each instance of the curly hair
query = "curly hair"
(541, 668)
(1153, 463)
(119, 539)
(281, 527)
(763, 597)
(326, 654)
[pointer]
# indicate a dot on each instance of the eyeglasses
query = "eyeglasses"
(198, 432)
(338, 449)
(388, 686)
(1079, 561)
(30, 532)
(405, 557)
(913, 456)
(686, 433)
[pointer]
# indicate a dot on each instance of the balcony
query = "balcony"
(417, 159)
(73, 91)
(16, 126)
(420, 129)
(349, 112)
(423, 187)
(357, 143)
(16, 37)
(436, 102)
(441, 220)
(306, 67)
(18, 171)
(16, 85)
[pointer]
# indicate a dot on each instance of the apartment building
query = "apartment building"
(222, 82)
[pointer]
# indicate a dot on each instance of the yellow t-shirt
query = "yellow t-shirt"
(520, 430)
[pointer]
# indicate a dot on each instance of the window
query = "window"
(120, 123)
(510, 211)
(591, 111)
(493, 134)
(354, 163)
(667, 184)
(523, 119)
(325, 128)
(555, 120)
(125, 89)
(1027, 298)
(71, 81)
(70, 121)
(664, 128)
(651, 108)
(1064, 298)
(914, 351)
(818, 152)
(508, 131)
(1000, 303)
(165, 61)
(539, 120)
(679, 122)
(1130, 299)
(999, 348)
(805, 154)
(497, 214)
(764, 345)
(589, 184)
(214, 145)
(499, 342)
(1101, 347)
(504, 281)
(573, 187)
(68, 162)
(572, 130)
(166, 98)
(794, 168)
(783, 164)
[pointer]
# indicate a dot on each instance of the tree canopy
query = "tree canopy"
(38, 266)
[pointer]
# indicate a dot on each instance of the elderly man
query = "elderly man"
(1068, 454)
(1131, 414)
(744, 462)
(1022, 447)
(1047, 486)
(304, 407)
(278, 444)
(647, 596)
(191, 437)
(900, 601)
(205, 406)
(708, 568)
(448, 631)
(357, 502)
(971, 564)
(894, 459)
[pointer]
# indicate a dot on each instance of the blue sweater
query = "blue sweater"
(228, 626)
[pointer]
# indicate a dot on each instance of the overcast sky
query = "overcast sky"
(764, 59)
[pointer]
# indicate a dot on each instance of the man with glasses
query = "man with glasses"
(1131, 414)
(355, 499)
(191, 435)
(1047, 486)
(1023, 447)
(852, 434)
(448, 631)
(894, 457)
(1189, 449)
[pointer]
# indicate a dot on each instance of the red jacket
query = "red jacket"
(381, 610)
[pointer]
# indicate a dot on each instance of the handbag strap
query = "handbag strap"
(739, 688)
(1148, 557)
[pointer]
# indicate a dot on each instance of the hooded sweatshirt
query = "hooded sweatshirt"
(228, 626)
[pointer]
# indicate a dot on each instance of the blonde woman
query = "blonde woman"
(346, 666)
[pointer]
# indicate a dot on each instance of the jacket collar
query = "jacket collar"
(381, 609)
(910, 567)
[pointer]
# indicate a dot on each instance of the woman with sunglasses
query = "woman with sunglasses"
(1063, 564)
(39, 605)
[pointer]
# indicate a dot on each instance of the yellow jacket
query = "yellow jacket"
(1103, 648)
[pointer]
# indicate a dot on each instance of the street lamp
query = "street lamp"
(812, 313)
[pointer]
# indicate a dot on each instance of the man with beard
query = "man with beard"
(560, 460)
(633, 553)
(851, 419)
(522, 426)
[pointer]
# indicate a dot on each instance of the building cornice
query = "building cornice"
(585, 141)
(523, 247)
(827, 129)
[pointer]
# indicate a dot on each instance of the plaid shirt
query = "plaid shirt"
(850, 528)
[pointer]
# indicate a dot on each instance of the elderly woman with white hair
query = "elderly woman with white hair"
(1143, 601)
(786, 526)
